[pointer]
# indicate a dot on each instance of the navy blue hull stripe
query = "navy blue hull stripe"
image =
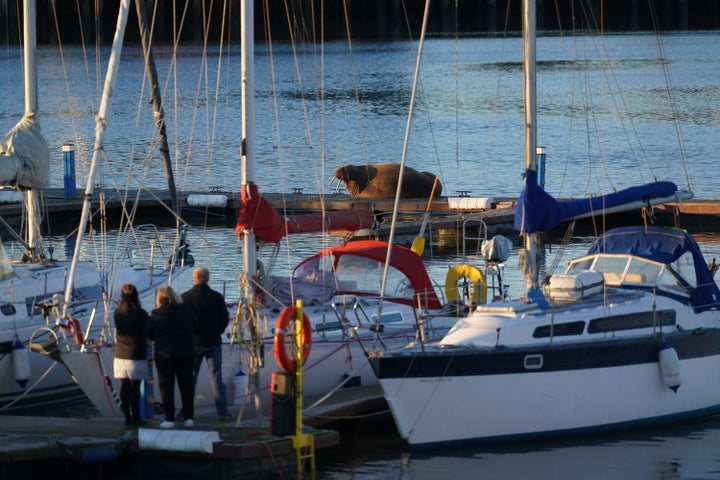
(555, 357)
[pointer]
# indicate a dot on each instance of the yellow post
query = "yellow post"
(304, 444)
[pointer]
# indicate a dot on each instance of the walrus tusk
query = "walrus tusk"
(337, 187)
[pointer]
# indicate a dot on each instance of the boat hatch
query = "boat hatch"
(391, 317)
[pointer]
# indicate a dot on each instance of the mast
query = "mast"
(156, 101)
(34, 239)
(101, 121)
(529, 74)
(247, 147)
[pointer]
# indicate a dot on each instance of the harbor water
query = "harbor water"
(468, 128)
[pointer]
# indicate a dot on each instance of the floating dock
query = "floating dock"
(34, 446)
(37, 445)
(220, 207)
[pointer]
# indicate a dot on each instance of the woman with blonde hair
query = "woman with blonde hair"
(170, 328)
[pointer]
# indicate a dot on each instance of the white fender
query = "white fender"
(21, 363)
(670, 367)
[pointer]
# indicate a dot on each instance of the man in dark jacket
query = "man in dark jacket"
(211, 319)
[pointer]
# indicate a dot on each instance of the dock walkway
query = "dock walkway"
(446, 213)
(244, 447)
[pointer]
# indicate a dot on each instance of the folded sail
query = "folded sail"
(256, 214)
(538, 211)
(24, 156)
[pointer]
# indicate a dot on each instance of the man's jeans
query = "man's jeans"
(214, 362)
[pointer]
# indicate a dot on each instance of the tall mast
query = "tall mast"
(101, 122)
(34, 239)
(529, 74)
(247, 147)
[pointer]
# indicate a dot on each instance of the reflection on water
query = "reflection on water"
(686, 451)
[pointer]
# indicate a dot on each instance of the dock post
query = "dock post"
(304, 444)
(541, 153)
(68, 150)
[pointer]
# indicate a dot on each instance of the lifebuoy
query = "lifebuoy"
(471, 273)
(286, 361)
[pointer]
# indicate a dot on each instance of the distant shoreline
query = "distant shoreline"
(369, 19)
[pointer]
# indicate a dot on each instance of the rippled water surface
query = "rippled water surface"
(607, 124)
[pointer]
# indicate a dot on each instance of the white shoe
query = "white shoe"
(188, 423)
(167, 424)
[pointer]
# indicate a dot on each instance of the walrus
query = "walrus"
(379, 180)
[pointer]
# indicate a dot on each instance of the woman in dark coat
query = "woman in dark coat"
(171, 329)
(130, 364)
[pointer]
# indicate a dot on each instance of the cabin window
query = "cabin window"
(559, 330)
(685, 267)
(640, 271)
(7, 309)
(632, 321)
(367, 273)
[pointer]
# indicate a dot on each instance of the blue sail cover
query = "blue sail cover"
(538, 211)
(663, 245)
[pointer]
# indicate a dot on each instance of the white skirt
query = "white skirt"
(132, 369)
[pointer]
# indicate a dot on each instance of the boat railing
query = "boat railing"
(341, 304)
(481, 236)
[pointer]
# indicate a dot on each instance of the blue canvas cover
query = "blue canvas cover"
(538, 211)
(664, 245)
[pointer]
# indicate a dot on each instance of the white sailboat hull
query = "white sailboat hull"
(327, 369)
(533, 404)
(50, 383)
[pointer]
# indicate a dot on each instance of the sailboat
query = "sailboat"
(346, 316)
(627, 336)
(49, 306)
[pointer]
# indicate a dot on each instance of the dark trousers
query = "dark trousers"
(130, 398)
(168, 370)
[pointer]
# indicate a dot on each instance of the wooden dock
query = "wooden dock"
(32, 446)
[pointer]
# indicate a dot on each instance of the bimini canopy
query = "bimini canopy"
(664, 245)
(402, 259)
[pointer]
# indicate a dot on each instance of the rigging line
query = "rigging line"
(353, 70)
(218, 83)
(303, 100)
(426, 110)
(406, 141)
(29, 389)
(612, 80)
(172, 76)
(73, 123)
(671, 98)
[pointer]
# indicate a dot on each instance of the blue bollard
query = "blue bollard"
(68, 150)
(541, 166)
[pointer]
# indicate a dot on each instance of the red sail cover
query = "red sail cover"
(257, 215)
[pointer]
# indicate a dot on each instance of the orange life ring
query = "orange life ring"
(288, 362)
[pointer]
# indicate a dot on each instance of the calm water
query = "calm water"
(603, 108)
(467, 127)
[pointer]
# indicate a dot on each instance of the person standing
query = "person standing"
(211, 319)
(130, 364)
(170, 327)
